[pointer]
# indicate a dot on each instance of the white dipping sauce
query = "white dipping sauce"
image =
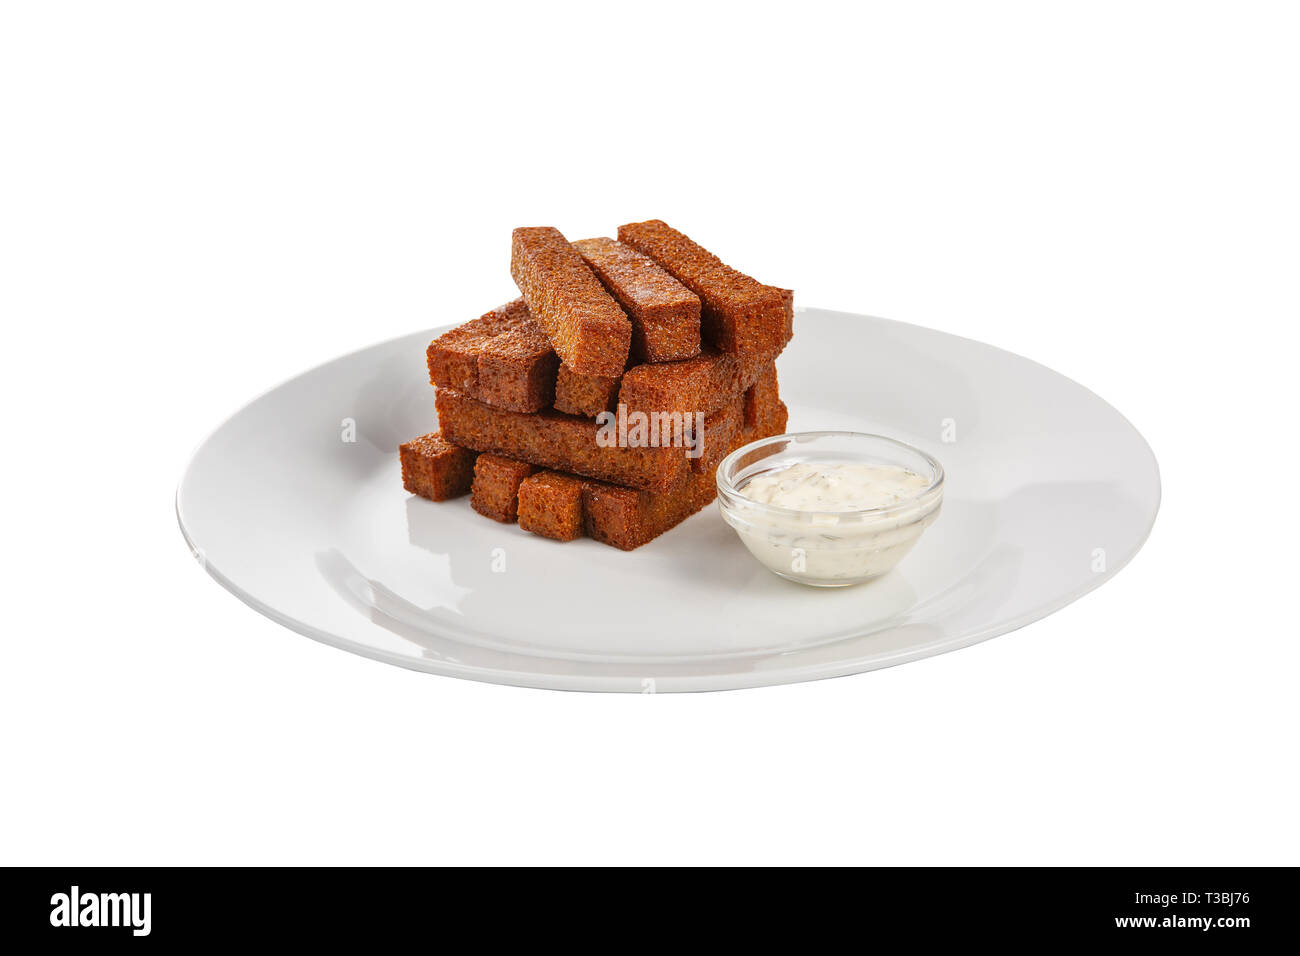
(826, 541)
(846, 486)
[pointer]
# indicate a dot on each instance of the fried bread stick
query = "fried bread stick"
(665, 314)
(740, 315)
(587, 329)
(550, 439)
(502, 358)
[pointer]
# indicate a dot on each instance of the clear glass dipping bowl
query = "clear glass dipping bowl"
(828, 548)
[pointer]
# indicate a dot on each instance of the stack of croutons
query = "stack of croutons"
(601, 401)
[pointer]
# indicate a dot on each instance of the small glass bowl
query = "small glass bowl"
(828, 548)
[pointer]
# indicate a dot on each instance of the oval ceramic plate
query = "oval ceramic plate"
(1050, 491)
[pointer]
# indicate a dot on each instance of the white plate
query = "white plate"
(1050, 491)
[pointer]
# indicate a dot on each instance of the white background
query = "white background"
(200, 200)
